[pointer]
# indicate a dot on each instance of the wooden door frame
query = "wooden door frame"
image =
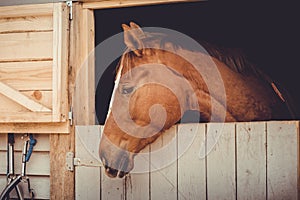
(81, 87)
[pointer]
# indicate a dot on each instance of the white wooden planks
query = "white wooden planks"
(282, 160)
(163, 166)
(252, 160)
(221, 162)
(191, 168)
(38, 167)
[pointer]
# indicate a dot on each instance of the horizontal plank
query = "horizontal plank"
(26, 10)
(31, 117)
(26, 46)
(43, 128)
(26, 24)
(39, 163)
(27, 75)
(40, 185)
(98, 4)
(41, 145)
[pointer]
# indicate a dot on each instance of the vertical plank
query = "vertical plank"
(87, 175)
(282, 160)
(138, 182)
(221, 161)
(163, 165)
(251, 160)
(84, 76)
(62, 185)
(191, 168)
(60, 62)
(112, 188)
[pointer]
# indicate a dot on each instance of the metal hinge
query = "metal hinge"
(70, 5)
(70, 116)
(70, 161)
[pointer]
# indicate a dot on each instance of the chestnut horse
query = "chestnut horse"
(158, 81)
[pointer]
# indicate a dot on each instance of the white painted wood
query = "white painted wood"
(41, 145)
(191, 168)
(40, 185)
(138, 182)
(221, 161)
(39, 163)
(251, 160)
(282, 160)
(87, 178)
(164, 166)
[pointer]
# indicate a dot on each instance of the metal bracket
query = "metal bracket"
(70, 161)
(70, 116)
(70, 5)
(87, 163)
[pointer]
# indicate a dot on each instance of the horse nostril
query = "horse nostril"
(122, 174)
(111, 172)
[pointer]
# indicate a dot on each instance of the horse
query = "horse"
(159, 80)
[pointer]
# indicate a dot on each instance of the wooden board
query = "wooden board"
(238, 167)
(26, 10)
(38, 167)
(40, 185)
(221, 178)
(26, 24)
(251, 160)
(191, 168)
(15, 46)
(35, 75)
(282, 160)
(98, 4)
(163, 165)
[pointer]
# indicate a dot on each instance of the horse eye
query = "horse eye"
(127, 90)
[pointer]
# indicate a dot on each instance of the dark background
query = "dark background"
(268, 32)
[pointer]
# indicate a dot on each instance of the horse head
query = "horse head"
(145, 101)
(157, 81)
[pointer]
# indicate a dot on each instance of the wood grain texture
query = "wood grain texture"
(163, 165)
(27, 75)
(98, 4)
(87, 142)
(22, 99)
(191, 168)
(15, 46)
(26, 10)
(38, 127)
(282, 160)
(251, 160)
(26, 24)
(62, 181)
(221, 162)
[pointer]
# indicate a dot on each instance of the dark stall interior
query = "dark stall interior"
(267, 32)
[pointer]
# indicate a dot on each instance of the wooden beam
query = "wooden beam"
(26, 10)
(94, 4)
(22, 99)
(44, 128)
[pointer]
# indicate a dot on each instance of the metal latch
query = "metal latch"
(71, 162)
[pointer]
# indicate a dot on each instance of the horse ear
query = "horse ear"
(132, 39)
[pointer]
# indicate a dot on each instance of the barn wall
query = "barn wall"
(38, 167)
(253, 160)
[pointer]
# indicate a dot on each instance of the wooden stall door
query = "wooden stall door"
(252, 160)
(33, 64)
